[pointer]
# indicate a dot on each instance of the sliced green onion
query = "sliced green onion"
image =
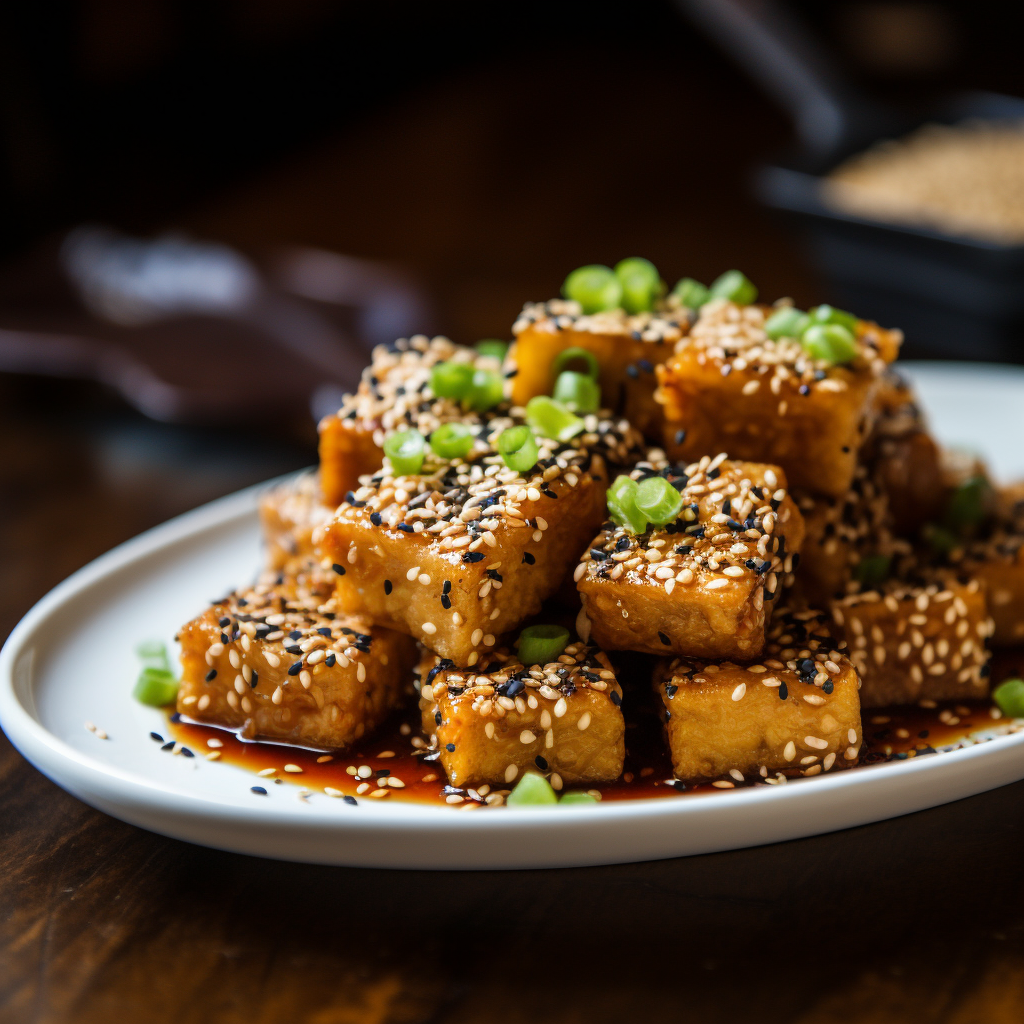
(1009, 696)
(406, 450)
(540, 644)
(831, 315)
(551, 419)
(873, 570)
(968, 505)
(940, 539)
(641, 284)
(153, 654)
(594, 287)
(451, 380)
(735, 287)
(532, 790)
(831, 342)
(492, 347)
(691, 293)
(622, 506)
(156, 687)
(578, 796)
(518, 447)
(452, 440)
(786, 323)
(578, 392)
(658, 500)
(486, 390)
(577, 355)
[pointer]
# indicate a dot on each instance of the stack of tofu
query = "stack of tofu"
(792, 589)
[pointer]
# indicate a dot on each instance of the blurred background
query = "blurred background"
(211, 210)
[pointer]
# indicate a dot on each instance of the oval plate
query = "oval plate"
(71, 660)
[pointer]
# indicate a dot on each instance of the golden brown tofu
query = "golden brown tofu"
(730, 388)
(998, 562)
(795, 708)
(289, 513)
(628, 348)
(703, 584)
(394, 394)
(563, 719)
(278, 662)
(913, 643)
(468, 549)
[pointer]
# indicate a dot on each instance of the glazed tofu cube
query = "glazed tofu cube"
(998, 563)
(394, 394)
(795, 708)
(729, 388)
(278, 662)
(468, 549)
(628, 348)
(701, 585)
(913, 643)
(289, 513)
(563, 719)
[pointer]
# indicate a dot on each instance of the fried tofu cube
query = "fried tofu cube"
(465, 551)
(563, 718)
(913, 643)
(998, 563)
(795, 708)
(289, 513)
(628, 348)
(394, 394)
(728, 387)
(278, 662)
(703, 584)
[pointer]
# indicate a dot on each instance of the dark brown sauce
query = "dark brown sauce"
(890, 734)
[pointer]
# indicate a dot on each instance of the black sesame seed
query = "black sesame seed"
(680, 436)
(168, 745)
(159, 739)
(783, 691)
(437, 717)
(350, 800)
(541, 763)
(187, 752)
(450, 747)
(528, 558)
(632, 371)
(473, 556)
(447, 588)
(295, 669)
(339, 569)
(329, 661)
(258, 790)
(616, 699)
(664, 639)
(375, 518)
(211, 675)
(388, 586)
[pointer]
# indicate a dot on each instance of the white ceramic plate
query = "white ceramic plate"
(71, 660)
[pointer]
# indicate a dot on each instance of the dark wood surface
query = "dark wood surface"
(917, 919)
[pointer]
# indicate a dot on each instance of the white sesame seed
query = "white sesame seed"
(429, 628)
(739, 692)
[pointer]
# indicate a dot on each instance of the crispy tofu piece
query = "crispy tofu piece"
(729, 388)
(913, 643)
(998, 563)
(702, 585)
(628, 348)
(564, 718)
(394, 394)
(795, 708)
(278, 662)
(289, 513)
(468, 549)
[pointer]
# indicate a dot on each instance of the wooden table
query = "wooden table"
(918, 919)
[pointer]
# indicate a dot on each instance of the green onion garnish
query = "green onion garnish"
(691, 293)
(735, 287)
(831, 315)
(787, 322)
(578, 796)
(406, 450)
(641, 284)
(830, 342)
(940, 539)
(1009, 696)
(551, 419)
(968, 505)
(658, 500)
(578, 392)
(157, 684)
(539, 645)
(568, 356)
(486, 390)
(873, 570)
(532, 790)
(451, 380)
(452, 440)
(594, 287)
(492, 347)
(622, 505)
(518, 448)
